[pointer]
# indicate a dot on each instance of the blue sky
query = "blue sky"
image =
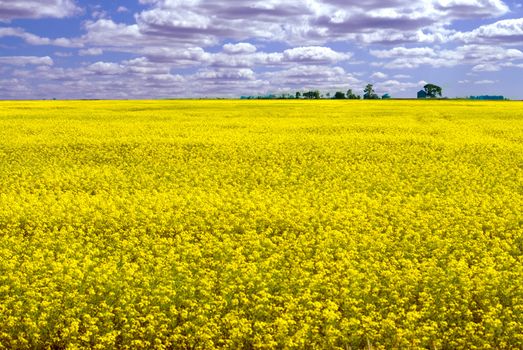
(228, 48)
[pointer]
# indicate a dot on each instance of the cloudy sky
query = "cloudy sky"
(211, 48)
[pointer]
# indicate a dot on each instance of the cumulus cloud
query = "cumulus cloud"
(509, 31)
(168, 23)
(404, 52)
(26, 60)
(106, 68)
(472, 8)
(379, 75)
(180, 57)
(315, 54)
(33, 39)
(199, 23)
(140, 78)
(173, 46)
(10, 9)
(313, 77)
(239, 48)
(396, 86)
(107, 33)
(485, 82)
(226, 74)
(93, 51)
(482, 57)
(245, 55)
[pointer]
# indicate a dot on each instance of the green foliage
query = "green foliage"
(261, 224)
(339, 95)
(313, 94)
(432, 90)
(369, 93)
(352, 96)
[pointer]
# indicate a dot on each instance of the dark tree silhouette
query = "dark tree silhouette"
(432, 90)
(352, 96)
(369, 93)
(339, 95)
(312, 94)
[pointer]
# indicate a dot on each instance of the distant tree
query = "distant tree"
(369, 93)
(385, 97)
(313, 94)
(328, 95)
(352, 96)
(339, 95)
(298, 94)
(432, 90)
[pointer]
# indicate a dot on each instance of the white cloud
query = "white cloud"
(26, 60)
(485, 82)
(395, 85)
(198, 23)
(314, 77)
(170, 36)
(107, 33)
(106, 68)
(243, 55)
(239, 48)
(181, 57)
(379, 75)
(486, 67)
(63, 54)
(472, 8)
(482, 57)
(315, 54)
(93, 51)
(402, 76)
(404, 52)
(508, 31)
(226, 74)
(10, 9)
(33, 39)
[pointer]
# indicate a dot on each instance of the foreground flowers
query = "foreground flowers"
(273, 224)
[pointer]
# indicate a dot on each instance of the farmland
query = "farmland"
(261, 224)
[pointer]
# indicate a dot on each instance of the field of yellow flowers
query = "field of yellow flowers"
(261, 225)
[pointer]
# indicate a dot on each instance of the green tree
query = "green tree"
(352, 96)
(369, 93)
(339, 95)
(313, 94)
(432, 90)
(298, 94)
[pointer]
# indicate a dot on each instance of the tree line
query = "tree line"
(431, 91)
(340, 95)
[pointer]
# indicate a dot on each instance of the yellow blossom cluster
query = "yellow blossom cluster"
(261, 225)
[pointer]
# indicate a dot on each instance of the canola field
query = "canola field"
(261, 225)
